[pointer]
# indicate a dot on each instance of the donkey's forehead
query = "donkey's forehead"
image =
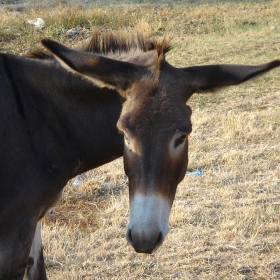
(157, 99)
(158, 110)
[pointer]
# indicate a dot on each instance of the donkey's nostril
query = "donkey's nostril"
(30, 262)
(159, 240)
(129, 236)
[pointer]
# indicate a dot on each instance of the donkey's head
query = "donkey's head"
(155, 122)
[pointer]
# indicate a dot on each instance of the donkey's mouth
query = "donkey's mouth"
(142, 244)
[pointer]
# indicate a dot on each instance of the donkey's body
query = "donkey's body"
(56, 123)
(45, 112)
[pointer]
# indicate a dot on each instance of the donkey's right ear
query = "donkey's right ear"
(102, 71)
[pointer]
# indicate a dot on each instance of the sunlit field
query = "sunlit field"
(224, 224)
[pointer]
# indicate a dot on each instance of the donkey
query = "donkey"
(71, 111)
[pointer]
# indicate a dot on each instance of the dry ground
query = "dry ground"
(224, 224)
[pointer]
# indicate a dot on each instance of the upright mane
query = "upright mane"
(110, 43)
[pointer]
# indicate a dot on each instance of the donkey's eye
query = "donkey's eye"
(180, 140)
(127, 143)
(126, 138)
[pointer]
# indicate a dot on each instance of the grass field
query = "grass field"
(224, 224)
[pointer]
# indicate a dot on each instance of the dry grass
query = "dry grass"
(224, 224)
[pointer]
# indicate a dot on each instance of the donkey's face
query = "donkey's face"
(155, 122)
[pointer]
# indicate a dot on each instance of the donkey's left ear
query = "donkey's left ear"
(212, 77)
(103, 71)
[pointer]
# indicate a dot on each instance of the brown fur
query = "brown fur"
(116, 44)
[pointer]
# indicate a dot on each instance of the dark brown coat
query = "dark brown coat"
(60, 117)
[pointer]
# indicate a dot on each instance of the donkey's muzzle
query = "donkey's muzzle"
(148, 224)
(144, 242)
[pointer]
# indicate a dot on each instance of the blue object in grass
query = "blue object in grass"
(198, 172)
(79, 179)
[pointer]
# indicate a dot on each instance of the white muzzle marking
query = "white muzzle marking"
(148, 224)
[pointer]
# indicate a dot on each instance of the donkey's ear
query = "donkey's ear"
(104, 72)
(212, 77)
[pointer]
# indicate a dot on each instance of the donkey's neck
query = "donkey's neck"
(80, 117)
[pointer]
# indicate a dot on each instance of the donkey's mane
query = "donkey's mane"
(109, 43)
